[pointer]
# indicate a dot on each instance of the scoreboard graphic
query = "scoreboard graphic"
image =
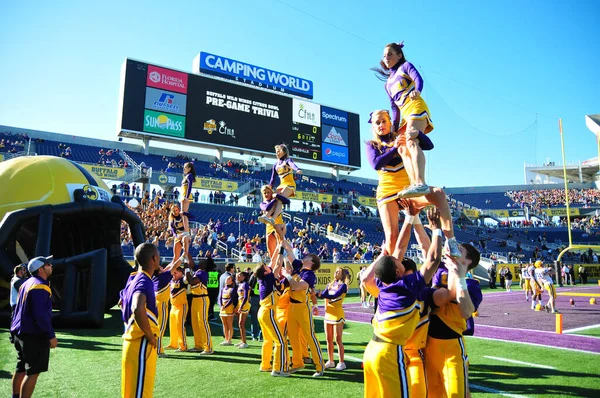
(174, 106)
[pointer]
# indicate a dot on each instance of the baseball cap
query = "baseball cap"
(37, 263)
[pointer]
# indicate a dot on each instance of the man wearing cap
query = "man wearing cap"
(15, 283)
(31, 328)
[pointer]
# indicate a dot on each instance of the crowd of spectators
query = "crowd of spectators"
(537, 199)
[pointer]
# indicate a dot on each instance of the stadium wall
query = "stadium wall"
(504, 188)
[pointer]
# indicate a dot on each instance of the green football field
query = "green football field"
(87, 363)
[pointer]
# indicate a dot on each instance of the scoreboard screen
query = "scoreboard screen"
(177, 106)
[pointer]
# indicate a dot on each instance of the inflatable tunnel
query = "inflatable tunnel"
(53, 206)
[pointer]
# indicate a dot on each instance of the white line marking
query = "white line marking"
(494, 391)
(504, 327)
(582, 328)
(534, 344)
(355, 359)
(346, 333)
(535, 365)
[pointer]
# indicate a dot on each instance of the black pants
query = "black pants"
(213, 293)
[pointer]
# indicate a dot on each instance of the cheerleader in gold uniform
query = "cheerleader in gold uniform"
(189, 177)
(179, 309)
(284, 168)
(243, 307)
(334, 296)
(182, 238)
(411, 115)
(383, 156)
(228, 304)
(276, 231)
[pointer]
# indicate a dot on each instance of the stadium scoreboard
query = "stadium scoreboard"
(174, 106)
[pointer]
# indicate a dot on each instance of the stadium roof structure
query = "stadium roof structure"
(593, 123)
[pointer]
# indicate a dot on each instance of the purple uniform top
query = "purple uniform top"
(33, 313)
(268, 204)
(161, 281)
(389, 156)
(309, 277)
(143, 284)
(202, 275)
(282, 168)
(176, 225)
(440, 279)
(405, 76)
(266, 285)
(186, 185)
(399, 294)
(476, 298)
(296, 266)
(338, 288)
(243, 291)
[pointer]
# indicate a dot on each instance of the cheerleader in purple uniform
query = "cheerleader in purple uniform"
(189, 177)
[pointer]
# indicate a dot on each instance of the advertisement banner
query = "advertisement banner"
(164, 101)
(335, 154)
(305, 112)
(334, 117)
(500, 213)
(167, 79)
(367, 201)
(325, 275)
(242, 72)
(573, 211)
(314, 197)
(335, 135)
(106, 173)
(215, 185)
(471, 213)
(166, 179)
(165, 124)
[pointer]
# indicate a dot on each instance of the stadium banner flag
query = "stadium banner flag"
(166, 179)
(105, 172)
(573, 211)
(226, 68)
(218, 185)
(500, 213)
(471, 213)
(367, 201)
(314, 197)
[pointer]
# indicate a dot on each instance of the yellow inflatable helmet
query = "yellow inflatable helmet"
(53, 206)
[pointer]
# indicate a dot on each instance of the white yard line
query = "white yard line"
(536, 345)
(494, 391)
(535, 365)
(581, 328)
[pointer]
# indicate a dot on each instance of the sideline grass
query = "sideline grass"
(595, 332)
(88, 364)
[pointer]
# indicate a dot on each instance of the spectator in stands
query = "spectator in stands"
(335, 255)
(231, 238)
(257, 257)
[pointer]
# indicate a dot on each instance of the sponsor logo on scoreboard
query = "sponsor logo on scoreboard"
(335, 135)
(334, 117)
(161, 123)
(224, 130)
(335, 154)
(165, 101)
(167, 79)
(216, 65)
(210, 126)
(306, 112)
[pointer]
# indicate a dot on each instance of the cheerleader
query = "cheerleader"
(411, 115)
(272, 332)
(334, 320)
(228, 302)
(383, 156)
(276, 231)
(161, 281)
(179, 310)
(189, 177)
(284, 168)
(181, 238)
(243, 307)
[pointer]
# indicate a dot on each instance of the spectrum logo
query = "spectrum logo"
(335, 154)
(334, 117)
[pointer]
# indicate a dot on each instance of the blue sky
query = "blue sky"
(489, 67)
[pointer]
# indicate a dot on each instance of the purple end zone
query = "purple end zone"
(507, 316)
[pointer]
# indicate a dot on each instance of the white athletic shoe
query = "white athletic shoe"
(318, 374)
(340, 366)
(329, 364)
(207, 352)
(279, 374)
(242, 345)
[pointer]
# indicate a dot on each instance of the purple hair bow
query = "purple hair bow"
(401, 44)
